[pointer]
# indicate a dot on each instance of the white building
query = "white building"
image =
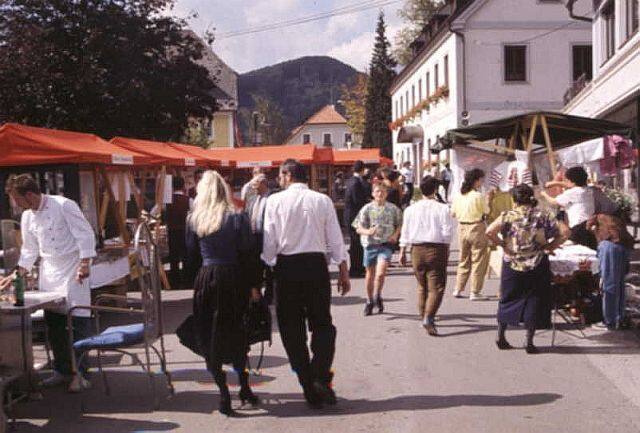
(479, 60)
(614, 91)
(326, 128)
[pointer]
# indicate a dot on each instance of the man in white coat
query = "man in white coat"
(54, 229)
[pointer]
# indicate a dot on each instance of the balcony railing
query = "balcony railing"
(576, 88)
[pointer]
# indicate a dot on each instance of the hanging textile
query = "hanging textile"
(465, 158)
(509, 174)
(617, 153)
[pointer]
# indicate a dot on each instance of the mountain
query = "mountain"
(299, 87)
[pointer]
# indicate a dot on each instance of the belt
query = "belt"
(465, 223)
(430, 244)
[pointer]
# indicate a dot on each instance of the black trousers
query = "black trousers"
(406, 200)
(304, 298)
(356, 254)
(59, 340)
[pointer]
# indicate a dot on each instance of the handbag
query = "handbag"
(257, 322)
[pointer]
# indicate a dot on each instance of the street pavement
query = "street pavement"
(390, 376)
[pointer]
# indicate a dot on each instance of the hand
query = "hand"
(403, 258)
(83, 271)
(372, 231)
(394, 238)
(255, 294)
(344, 284)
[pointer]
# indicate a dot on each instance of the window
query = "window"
(428, 84)
(582, 63)
(413, 96)
(515, 63)
(326, 139)
(306, 138)
(446, 71)
(347, 138)
(401, 107)
(420, 90)
(632, 19)
(609, 30)
(435, 77)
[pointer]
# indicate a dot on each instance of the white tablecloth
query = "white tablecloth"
(567, 259)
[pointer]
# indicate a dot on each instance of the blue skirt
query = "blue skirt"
(526, 296)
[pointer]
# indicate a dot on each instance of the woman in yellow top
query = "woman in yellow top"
(470, 209)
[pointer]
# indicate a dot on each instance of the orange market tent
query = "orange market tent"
(265, 156)
(200, 153)
(22, 145)
(161, 153)
(368, 156)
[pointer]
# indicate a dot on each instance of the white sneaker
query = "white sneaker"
(457, 294)
(79, 383)
(474, 297)
(56, 379)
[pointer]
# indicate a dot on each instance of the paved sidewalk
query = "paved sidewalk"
(390, 377)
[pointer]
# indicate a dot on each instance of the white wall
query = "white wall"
(317, 132)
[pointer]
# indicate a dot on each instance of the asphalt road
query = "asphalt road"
(390, 377)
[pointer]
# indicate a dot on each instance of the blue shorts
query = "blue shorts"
(375, 253)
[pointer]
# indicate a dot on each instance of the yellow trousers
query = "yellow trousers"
(474, 256)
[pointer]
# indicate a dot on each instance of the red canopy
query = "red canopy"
(28, 145)
(264, 156)
(368, 156)
(161, 153)
(199, 153)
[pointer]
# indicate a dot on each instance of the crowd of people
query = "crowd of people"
(279, 247)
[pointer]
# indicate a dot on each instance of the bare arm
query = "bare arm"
(549, 199)
(493, 230)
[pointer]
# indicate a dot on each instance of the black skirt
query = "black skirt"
(220, 300)
(526, 296)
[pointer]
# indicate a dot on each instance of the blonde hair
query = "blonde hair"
(211, 204)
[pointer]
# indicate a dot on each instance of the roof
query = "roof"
(29, 145)
(326, 115)
(564, 130)
(161, 153)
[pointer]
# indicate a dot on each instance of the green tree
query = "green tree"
(196, 134)
(266, 119)
(112, 67)
(354, 98)
(415, 14)
(378, 101)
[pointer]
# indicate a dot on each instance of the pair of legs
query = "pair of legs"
(220, 377)
(474, 258)
(504, 344)
(304, 299)
(613, 307)
(376, 261)
(59, 339)
(429, 263)
(356, 269)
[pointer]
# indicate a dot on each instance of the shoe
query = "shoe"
(431, 329)
(246, 395)
(56, 379)
(503, 344)
(368, 309)
(314, 401)
(79, 384)
(458, 294)
(601, 326)
(474, 297)
(380, 304)
(531, 349)
(225, 404)
(326, 394)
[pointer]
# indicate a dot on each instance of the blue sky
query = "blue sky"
(348, 38)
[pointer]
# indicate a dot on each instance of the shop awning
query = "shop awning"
(200, 153)
(410, 133)
(368, 156)
(28, 145)
(268, 156)
(564, 130)
(160, 153)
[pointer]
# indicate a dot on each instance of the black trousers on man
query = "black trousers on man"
(356, 254)
(304, 298)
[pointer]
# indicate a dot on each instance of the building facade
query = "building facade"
(326, 128)
(613, 90)
(480, 60)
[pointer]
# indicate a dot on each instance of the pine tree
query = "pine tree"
(378, 102)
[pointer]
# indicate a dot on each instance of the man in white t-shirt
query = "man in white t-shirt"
(407, 172)
(579, 204)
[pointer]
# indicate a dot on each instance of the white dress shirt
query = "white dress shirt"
(299, 220)
(407, 173)
(426, 221)
(61, 236)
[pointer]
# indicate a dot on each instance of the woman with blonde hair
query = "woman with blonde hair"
(223, 285)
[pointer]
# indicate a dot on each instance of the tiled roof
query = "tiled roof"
(327, 114)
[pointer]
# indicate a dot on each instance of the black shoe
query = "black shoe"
(531, 349)
(368, 308)
(325, 392)
(379, 304)
(314, 401)
(246, 395)
(431, 329)
(503, 344)
(225, 406)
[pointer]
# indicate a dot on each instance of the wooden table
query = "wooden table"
(16, 345)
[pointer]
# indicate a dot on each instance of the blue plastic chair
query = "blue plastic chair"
(122, 338)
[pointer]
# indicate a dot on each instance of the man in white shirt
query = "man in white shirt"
(54, 229)
(301, 233)
(248, 191)
(578, 201)
(407, 172)
(426, 227)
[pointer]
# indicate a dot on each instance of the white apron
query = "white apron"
(58, 275)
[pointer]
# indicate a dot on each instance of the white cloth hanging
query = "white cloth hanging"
(508, 174)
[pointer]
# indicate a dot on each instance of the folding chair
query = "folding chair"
(144, 334)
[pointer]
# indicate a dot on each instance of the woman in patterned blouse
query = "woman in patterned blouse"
(527, 235)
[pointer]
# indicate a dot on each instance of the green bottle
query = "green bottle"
(18, 286)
